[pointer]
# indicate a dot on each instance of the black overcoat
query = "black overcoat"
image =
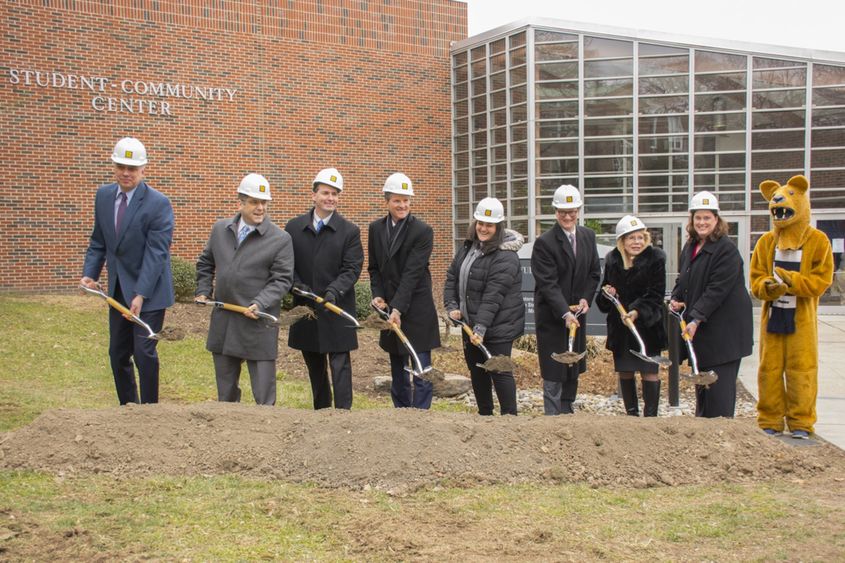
(642, 287)
(399, 274)
(560, 280)
(713, 287)
(328, 261)
(493, 290)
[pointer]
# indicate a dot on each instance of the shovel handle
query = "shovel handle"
(117, 305)
(684, 333)
(331, 307)
(234, 308)
(573, 328)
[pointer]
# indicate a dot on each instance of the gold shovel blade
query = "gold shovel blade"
(568, 358)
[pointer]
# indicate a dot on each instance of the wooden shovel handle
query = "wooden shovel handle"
(234, 308)
(331, 307)
(116, 304)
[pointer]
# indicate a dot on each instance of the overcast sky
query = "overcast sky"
(812, 24)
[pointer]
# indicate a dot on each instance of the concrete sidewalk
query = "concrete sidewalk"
(830, 405)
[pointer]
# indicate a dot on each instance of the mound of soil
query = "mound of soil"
(401, 450)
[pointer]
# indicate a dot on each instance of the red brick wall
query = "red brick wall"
(319, 83)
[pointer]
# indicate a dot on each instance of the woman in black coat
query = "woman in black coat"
(483, 288)
(635, 272)
(718, 308)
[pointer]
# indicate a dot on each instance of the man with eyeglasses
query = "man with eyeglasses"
(133, 229)
(566, 271)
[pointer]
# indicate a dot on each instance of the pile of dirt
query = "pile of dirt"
(402, 450)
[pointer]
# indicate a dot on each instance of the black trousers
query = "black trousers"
(719, 399)
(483, 382)
(128, 342)
(341, 380)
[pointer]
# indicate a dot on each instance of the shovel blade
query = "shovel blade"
(705, 378)
(498, 364)
(568, 358)
(659, 360)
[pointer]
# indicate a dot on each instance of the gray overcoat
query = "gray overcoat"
(258, 271)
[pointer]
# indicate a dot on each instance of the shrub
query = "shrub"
(363, 296)
(184, 279)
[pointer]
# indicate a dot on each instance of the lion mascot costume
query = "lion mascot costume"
(791, 268)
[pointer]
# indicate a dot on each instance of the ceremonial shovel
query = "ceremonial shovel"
(697, 377)
(659, 360)
(330, 306)
(124, 311)
(492, 363)
(569, 357)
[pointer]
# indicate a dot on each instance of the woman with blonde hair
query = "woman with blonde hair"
(635, 273)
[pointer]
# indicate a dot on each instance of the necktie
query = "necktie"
(320, 225)
(121, 211)
(242, 234)
(572, 242)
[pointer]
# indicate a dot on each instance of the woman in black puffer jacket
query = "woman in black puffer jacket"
(483, 288)
(635, 272)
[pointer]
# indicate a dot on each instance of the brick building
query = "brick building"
(216, 90)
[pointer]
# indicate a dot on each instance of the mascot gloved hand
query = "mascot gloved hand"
(791, 267)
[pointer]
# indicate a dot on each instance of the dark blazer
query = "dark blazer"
(399, 274)
(139, 257)
(713, 287)
(641, 287)
(260, 271)
(327, 262)
(493, 291)
(560, 280)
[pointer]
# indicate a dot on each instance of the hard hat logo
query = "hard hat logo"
(569, 199)
(128, 154)
(262, 189)
(634, 223)
(404, 186)
(705, 201)
(487, 213)
(334, 178)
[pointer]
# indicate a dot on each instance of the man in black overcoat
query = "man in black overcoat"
(328, 258)
(399, 249)
(566, 271)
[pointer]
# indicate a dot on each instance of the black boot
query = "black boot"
(651, 397)
(628, 387)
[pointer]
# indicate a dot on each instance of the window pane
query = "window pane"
(599, 48)
(462, 177)
(557, 110)
(827, 199)
(498, 117)
(519, 150)
(719, 143)
(719, 82)
(730, 161)
(461, 159)
(500, 154)
(760, 62)
(706, 61)
(602, 88)
(650, 49)
(664, 104)
(829, 96)
(594, 69)
(778, 140)
(777, 119)
(518, 57)
(608, 147)
(556, 51)
(479, 175)
(557, 71)
(664, 124)
(499, 172)
(500, 135)
(664, 65)
(479, 86)
(462, 143)
(664, 163)
(461, 126)
(519, 169)
(518, 75)
(479, 68)
(779, 99)
(479, 104)
(550, 90)
(519, 132)
(720, 122)
(498, 81)
(665, 85)
(497, 46)
(479, 157)
(606, 108)
(720, 102)
(663, 182)
(459, 58)
(557, 149)
(828, 117)
(652, 145)
(460, 74)
(460, 91)
(777, 160)
(498, 62)
(557, 129)
(603, 127)
(610, 165)
(517, 39)
(518, 94)
(557, 166)
(829, 138)
(828, 179)
(828, 75)
(541, 35)
(519, 114)
(779, 78)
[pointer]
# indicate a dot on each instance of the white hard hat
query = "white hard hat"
(255, 185)
(489, 210)
(398, 183)
(704, 200)
(567, 197)
(628, 224)
(129, 151)
(330, 177)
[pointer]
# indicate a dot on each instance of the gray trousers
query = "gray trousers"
(558, 396)
(262, 377)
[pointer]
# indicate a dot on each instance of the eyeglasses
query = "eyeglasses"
(570, 212)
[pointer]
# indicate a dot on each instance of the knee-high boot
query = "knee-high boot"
(651, 397)
(628, 387)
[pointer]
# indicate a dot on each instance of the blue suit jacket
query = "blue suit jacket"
(139, 258)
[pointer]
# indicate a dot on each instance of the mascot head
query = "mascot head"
(789, 206)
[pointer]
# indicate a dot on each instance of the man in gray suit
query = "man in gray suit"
(252, 261)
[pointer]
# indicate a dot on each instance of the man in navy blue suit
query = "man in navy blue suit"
(133, 229)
